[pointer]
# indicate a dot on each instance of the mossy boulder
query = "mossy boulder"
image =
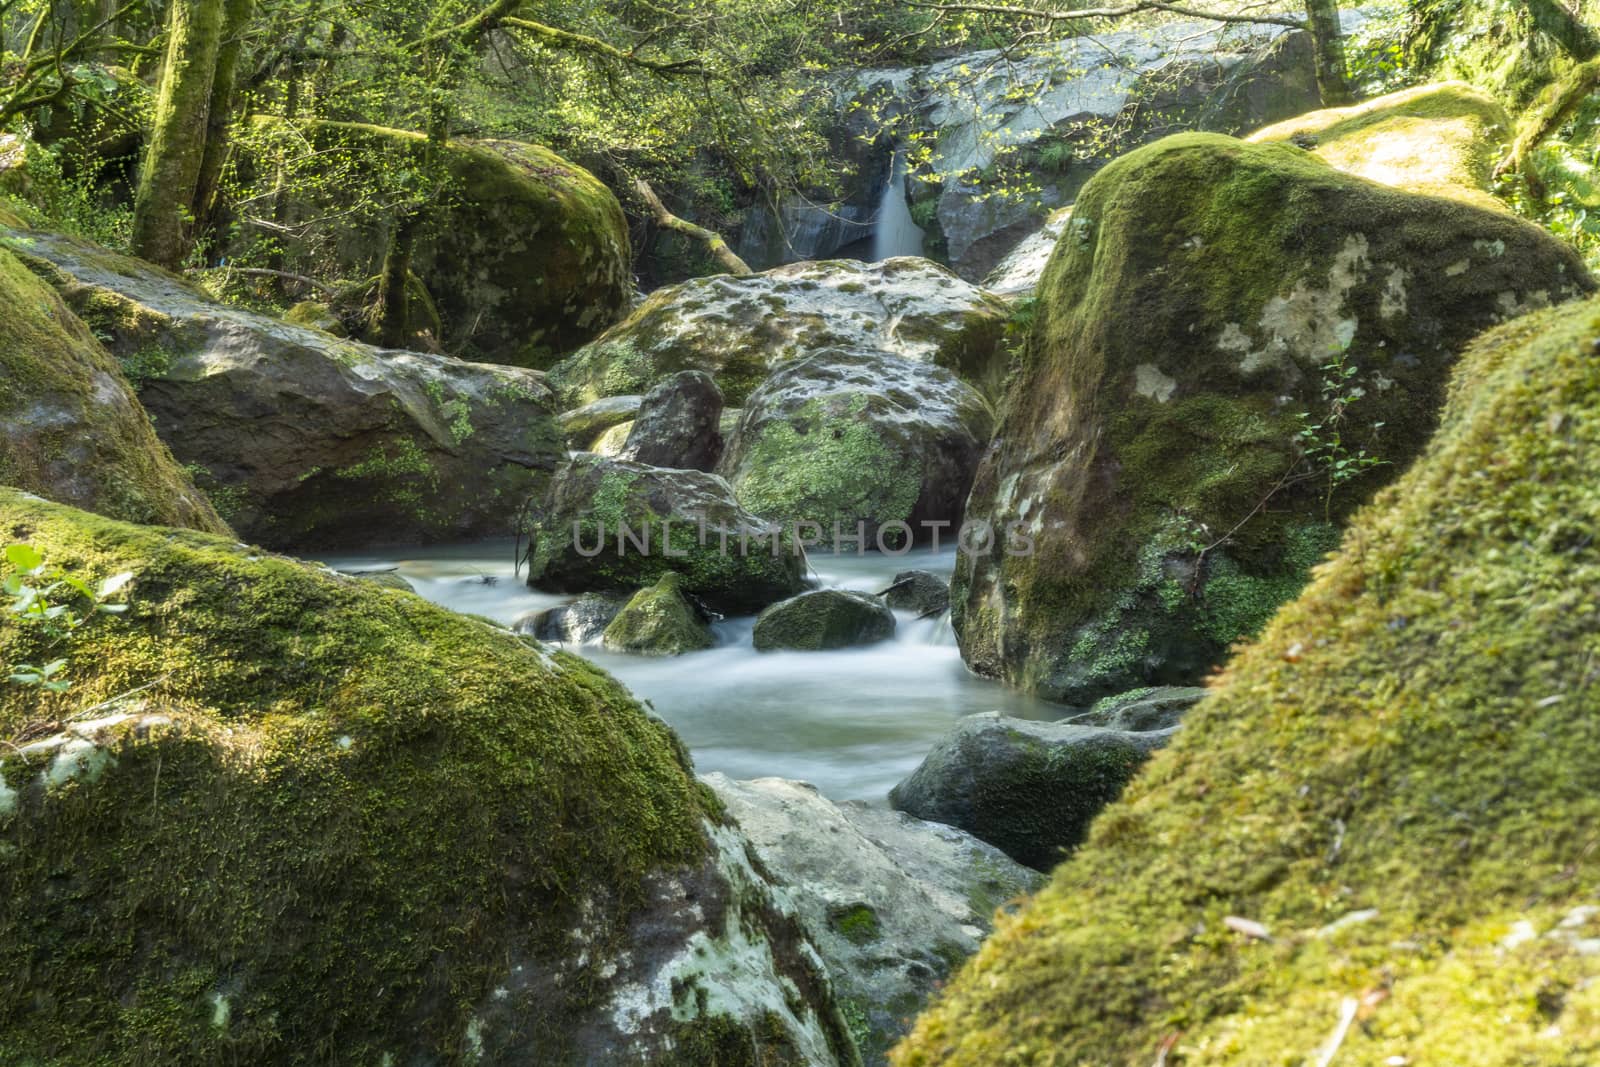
(524, 254)
(919, 592)
(316, 315)
(864, 443)
(71, 428)
(1395, 780)
(739, 330)
(659, 621)
(1028, 788)
(317, 818)
(824, 619)
(302, 439)
(609, 524)
(1234, 345)
(583, 426)
(1441, 139)
(893, 904)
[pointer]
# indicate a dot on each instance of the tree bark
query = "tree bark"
(713, 241)
(172, 161)
(219, 111)
(1327, 45)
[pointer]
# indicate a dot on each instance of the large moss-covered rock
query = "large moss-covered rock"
(1227, 339)
(325, 820)
(1395, 780)
(658, 621)
(893, 904)
(824, 619)
(739, 329)
(584, 425)
(610, 524)
(1028, 788)
(71, 429)
(1439, 139)
(864, 443)
(525, 254)
(303, 439)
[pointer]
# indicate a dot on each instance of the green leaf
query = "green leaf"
(24, 557)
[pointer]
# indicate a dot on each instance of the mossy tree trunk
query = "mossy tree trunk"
(391, 314)
(219, 112)
(1327, 46)
(172, 162)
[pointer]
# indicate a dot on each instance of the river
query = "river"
(851, 722)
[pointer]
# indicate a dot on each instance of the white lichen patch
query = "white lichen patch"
(728, 972)
(77, 758)
(1393, 301)
(221, 1010)
(1148, 381)
(1309, 322)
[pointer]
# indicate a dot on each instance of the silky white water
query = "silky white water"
(852, 722)
(896, 234)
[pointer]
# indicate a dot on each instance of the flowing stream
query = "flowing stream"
(852, 722)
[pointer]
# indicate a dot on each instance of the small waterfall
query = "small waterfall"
(896, 234)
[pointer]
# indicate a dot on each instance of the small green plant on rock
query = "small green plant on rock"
(1321, 437)
(53, 604)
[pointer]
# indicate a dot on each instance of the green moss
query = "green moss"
(1150, 434)
(1393, 778)
(1442, 139)
(74, 430)
(355, 816)
(658, 621)
(829, 466)
(856, 923)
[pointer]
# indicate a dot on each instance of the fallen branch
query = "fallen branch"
(1560, 102)
(267, 272)
(713, 241)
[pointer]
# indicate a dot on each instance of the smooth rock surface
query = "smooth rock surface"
(1028, 788)
(824, 619)
(740, 329)
(677, 424)
(303, 439)
(893, 904)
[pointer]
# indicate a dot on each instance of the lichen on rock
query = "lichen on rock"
(1215, 313)
(1393, 782)
(739, 330)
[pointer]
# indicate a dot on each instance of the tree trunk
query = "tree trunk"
(391, 317)
(172, 161)
(713, 241)
(1327, 46)
(219, 112)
